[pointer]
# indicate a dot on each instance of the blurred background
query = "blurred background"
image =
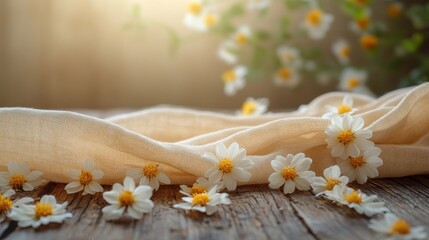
(104, 54)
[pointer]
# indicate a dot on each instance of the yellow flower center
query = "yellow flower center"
(17, 181)
(393, 10)
(209, 20)
(400, 227)
(345, 52)
(43, 209)
(363, 22)
(200, 199)
(353, 197)
(331, 182)
(198, 190)
(225, 165)
(150, 170)
(346, 136)
(368, 41)
(5, 204)
(229, 76)
(194, 8)
(126, 198)
(85, 178)
(314, 17)
(289, 173)
(343, 108)
(284, 73)
(353, 83)
(357, 161)
(241, 39)
(248, 108)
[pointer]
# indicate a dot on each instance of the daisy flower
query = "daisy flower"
(317, 23)
(19, 177)
(258, 4)
(289, 56)
(347, 137)
(228, 52)
(291, 172)
(150, 175)
(393, 228)
(369, 41)
(357, 200)
(229, 165)
(202, 185)
(346, 107)
(192, 18)
(352, 80)
(242, 35)
(204, 202)
(331, 178)
(341, 49)
(45, 211)
(127, 198)
(208, 20)
(361, 25)
(234, 79)
(362, 167)
(394, 9)
(254, 107)
(287, 77)
(6, 204)
(85, 179)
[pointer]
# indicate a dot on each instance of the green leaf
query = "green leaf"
(353, 10)
(175, 40)
(412, 44)
(419, 15)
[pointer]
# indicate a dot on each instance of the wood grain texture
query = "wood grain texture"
(257, 212)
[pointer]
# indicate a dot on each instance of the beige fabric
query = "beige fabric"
(55, 141)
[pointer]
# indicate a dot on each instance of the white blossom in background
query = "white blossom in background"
(150, 174)
(362, 167)
(258, 4)
(393, 228)
(234, 79)
(46, 211)
(195, 9)
(229, 165)
(347, 137)
(289, 56)
(254, 107)
(242, 36)
(6, 204)
(292, 172)
(19, 177)
(287, 77)
(346, 107)
(128, 199)
(362, 24)
(341, 50)
(360, 202)
(331, 178)
(353, 80)
(317, 23)
(228, 52)
(86, 179)
(394, 9)
(202, 185)
(206, 202)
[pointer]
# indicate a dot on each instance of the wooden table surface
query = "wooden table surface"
(256, 212)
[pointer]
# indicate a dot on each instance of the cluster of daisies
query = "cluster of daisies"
(203, 15)
(347, 138)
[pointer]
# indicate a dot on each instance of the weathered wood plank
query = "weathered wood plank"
(257, 212)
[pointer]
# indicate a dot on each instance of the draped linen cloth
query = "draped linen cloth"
(175, 138)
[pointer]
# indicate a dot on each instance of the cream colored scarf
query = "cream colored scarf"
(56, 141)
